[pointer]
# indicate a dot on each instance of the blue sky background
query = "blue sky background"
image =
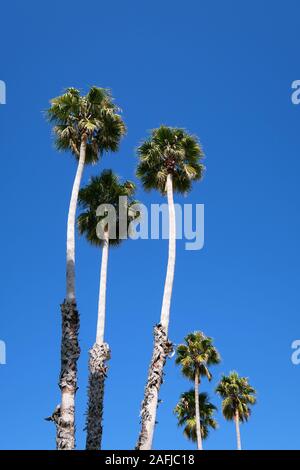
(224, 71)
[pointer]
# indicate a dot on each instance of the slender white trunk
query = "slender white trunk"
(166, 303)
(65, 435)
(162, 346)
(70, 295)
(197, 412)
(102, 291)
(237, 428)
(99, 355)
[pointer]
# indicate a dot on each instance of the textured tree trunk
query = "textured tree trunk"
(64, 415)
(99, 354)
(197, 412)
(237, 428)
(162, 346)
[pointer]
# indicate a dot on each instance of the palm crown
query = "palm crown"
(104, 189)
(196, 355)
(237, 395)
(93, 115)
(185, 411)
(170, 151)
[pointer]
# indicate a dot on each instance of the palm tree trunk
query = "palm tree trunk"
(64, 416)
(102, 290)
(162, 346)
(197, 412)
(71, 223)
(165, 309)
(237, 428)
(99, 354)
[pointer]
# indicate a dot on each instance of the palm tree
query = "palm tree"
(194, 357)
(185, 412)
(87, 126)
(105, 190)
(237, 396)
(170, 160)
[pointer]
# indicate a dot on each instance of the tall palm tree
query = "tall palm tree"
(105, 189)
(86, 126)
(195, 357)
(185, 412)
(237, 396)
(169, 160)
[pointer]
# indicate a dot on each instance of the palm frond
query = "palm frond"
(237, 395)
(93, 115)
(170, 150)
(197, 354)
(104, 189)
(186, 414)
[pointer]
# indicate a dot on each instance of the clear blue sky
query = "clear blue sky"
(223, 70)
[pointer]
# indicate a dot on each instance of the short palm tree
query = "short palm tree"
(105, 190)
(87, 126)
(185, 412)
(237, 396)
(195, 357)
(170, 160)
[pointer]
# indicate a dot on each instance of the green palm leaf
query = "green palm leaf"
(94, 115)
(185, 412)
(237, 395)
(170, 150)
(198, 353)
(104, 189)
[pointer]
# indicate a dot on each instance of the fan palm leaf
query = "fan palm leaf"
(186, 415)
